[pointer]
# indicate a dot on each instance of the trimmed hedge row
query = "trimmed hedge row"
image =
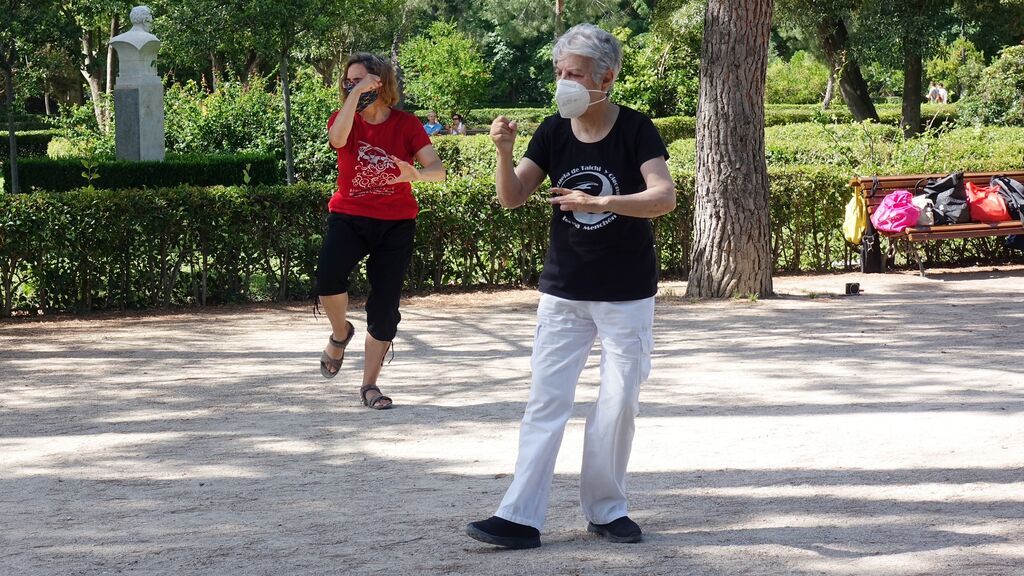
(30, 143)
(100, 249)
(673, 128)
(104, 249)
(62, 174)
(110, 249)
(880, 149)
(932, 115)
(484, 116)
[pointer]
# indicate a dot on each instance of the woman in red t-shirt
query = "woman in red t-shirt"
(372, 213)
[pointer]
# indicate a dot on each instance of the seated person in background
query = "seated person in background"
(432, 126)
(458, 127)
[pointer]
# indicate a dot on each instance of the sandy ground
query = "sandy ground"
(810, 433)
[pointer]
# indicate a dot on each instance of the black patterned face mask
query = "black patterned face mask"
(365, 99)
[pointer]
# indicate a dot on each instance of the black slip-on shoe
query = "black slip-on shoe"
(501, 532)
(621, 530)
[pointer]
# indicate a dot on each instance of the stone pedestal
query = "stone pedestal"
(138, 92)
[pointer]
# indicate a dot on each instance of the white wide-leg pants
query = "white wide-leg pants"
(566, 330)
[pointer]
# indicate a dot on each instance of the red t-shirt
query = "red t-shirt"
(365, 167)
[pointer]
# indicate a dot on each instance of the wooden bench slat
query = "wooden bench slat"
(908, 181)
(918, 236)
(968, 226)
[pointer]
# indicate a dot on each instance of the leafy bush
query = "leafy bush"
(658, 77)
(62, 174)
(999, 98)
(444, 69)
(233, 118)
(30, 143)
(77, 126)
(473, 156)
(958, 65)
(870, 148)
(673, 128)
(484, 116)
(312, 105)
(101, 249)
(802, 80)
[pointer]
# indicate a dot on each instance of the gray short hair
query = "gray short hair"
(591, 42)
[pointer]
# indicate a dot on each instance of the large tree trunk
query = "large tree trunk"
(559, 18)
(731, 252)
(93, 76)
(830, 90)
(216, 71)
(325, 68)
(252, 67)
(833, 38)
(289, 162)
(12, 137)
(912, 85)
(115, 24)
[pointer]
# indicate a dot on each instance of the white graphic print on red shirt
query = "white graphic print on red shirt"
(374, 171)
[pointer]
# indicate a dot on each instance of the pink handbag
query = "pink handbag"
(895, 213)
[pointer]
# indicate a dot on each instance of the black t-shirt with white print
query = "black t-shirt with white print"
(603, 256)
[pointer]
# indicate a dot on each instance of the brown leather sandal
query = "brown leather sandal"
(381, 402)
(330, 367)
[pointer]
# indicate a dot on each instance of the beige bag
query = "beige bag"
(925, 204)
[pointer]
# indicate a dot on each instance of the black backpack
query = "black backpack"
(949, 198)
(1013, 192)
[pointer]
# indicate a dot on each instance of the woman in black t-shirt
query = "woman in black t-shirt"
(608, 177)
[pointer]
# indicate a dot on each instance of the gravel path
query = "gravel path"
(810, 433)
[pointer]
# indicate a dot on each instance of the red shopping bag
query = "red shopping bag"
(987, 204)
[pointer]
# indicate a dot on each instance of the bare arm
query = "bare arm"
(339, 131)
(432, 168)
(658, 199)
(514, 183)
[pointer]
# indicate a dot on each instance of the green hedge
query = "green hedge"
(103, 249)
(673, 128)
(30, 143)
(62, 174)
(484, 116)
(933, 115)
(878, 148)
(100, 249)
(473, 156)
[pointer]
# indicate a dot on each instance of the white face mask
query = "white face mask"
(573, 98)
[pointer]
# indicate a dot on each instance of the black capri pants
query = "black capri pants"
(389, 245)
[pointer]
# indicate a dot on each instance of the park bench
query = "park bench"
(871, 253)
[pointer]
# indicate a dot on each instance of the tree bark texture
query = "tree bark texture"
(115, 25)
(731, 252)
(289, 161)
(833, 38)
(12, 137)
(913, 80)
(93, 73)
(559, 18)
(830, 90)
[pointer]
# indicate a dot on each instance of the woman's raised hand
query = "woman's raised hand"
(503, 133)
(369, 83)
